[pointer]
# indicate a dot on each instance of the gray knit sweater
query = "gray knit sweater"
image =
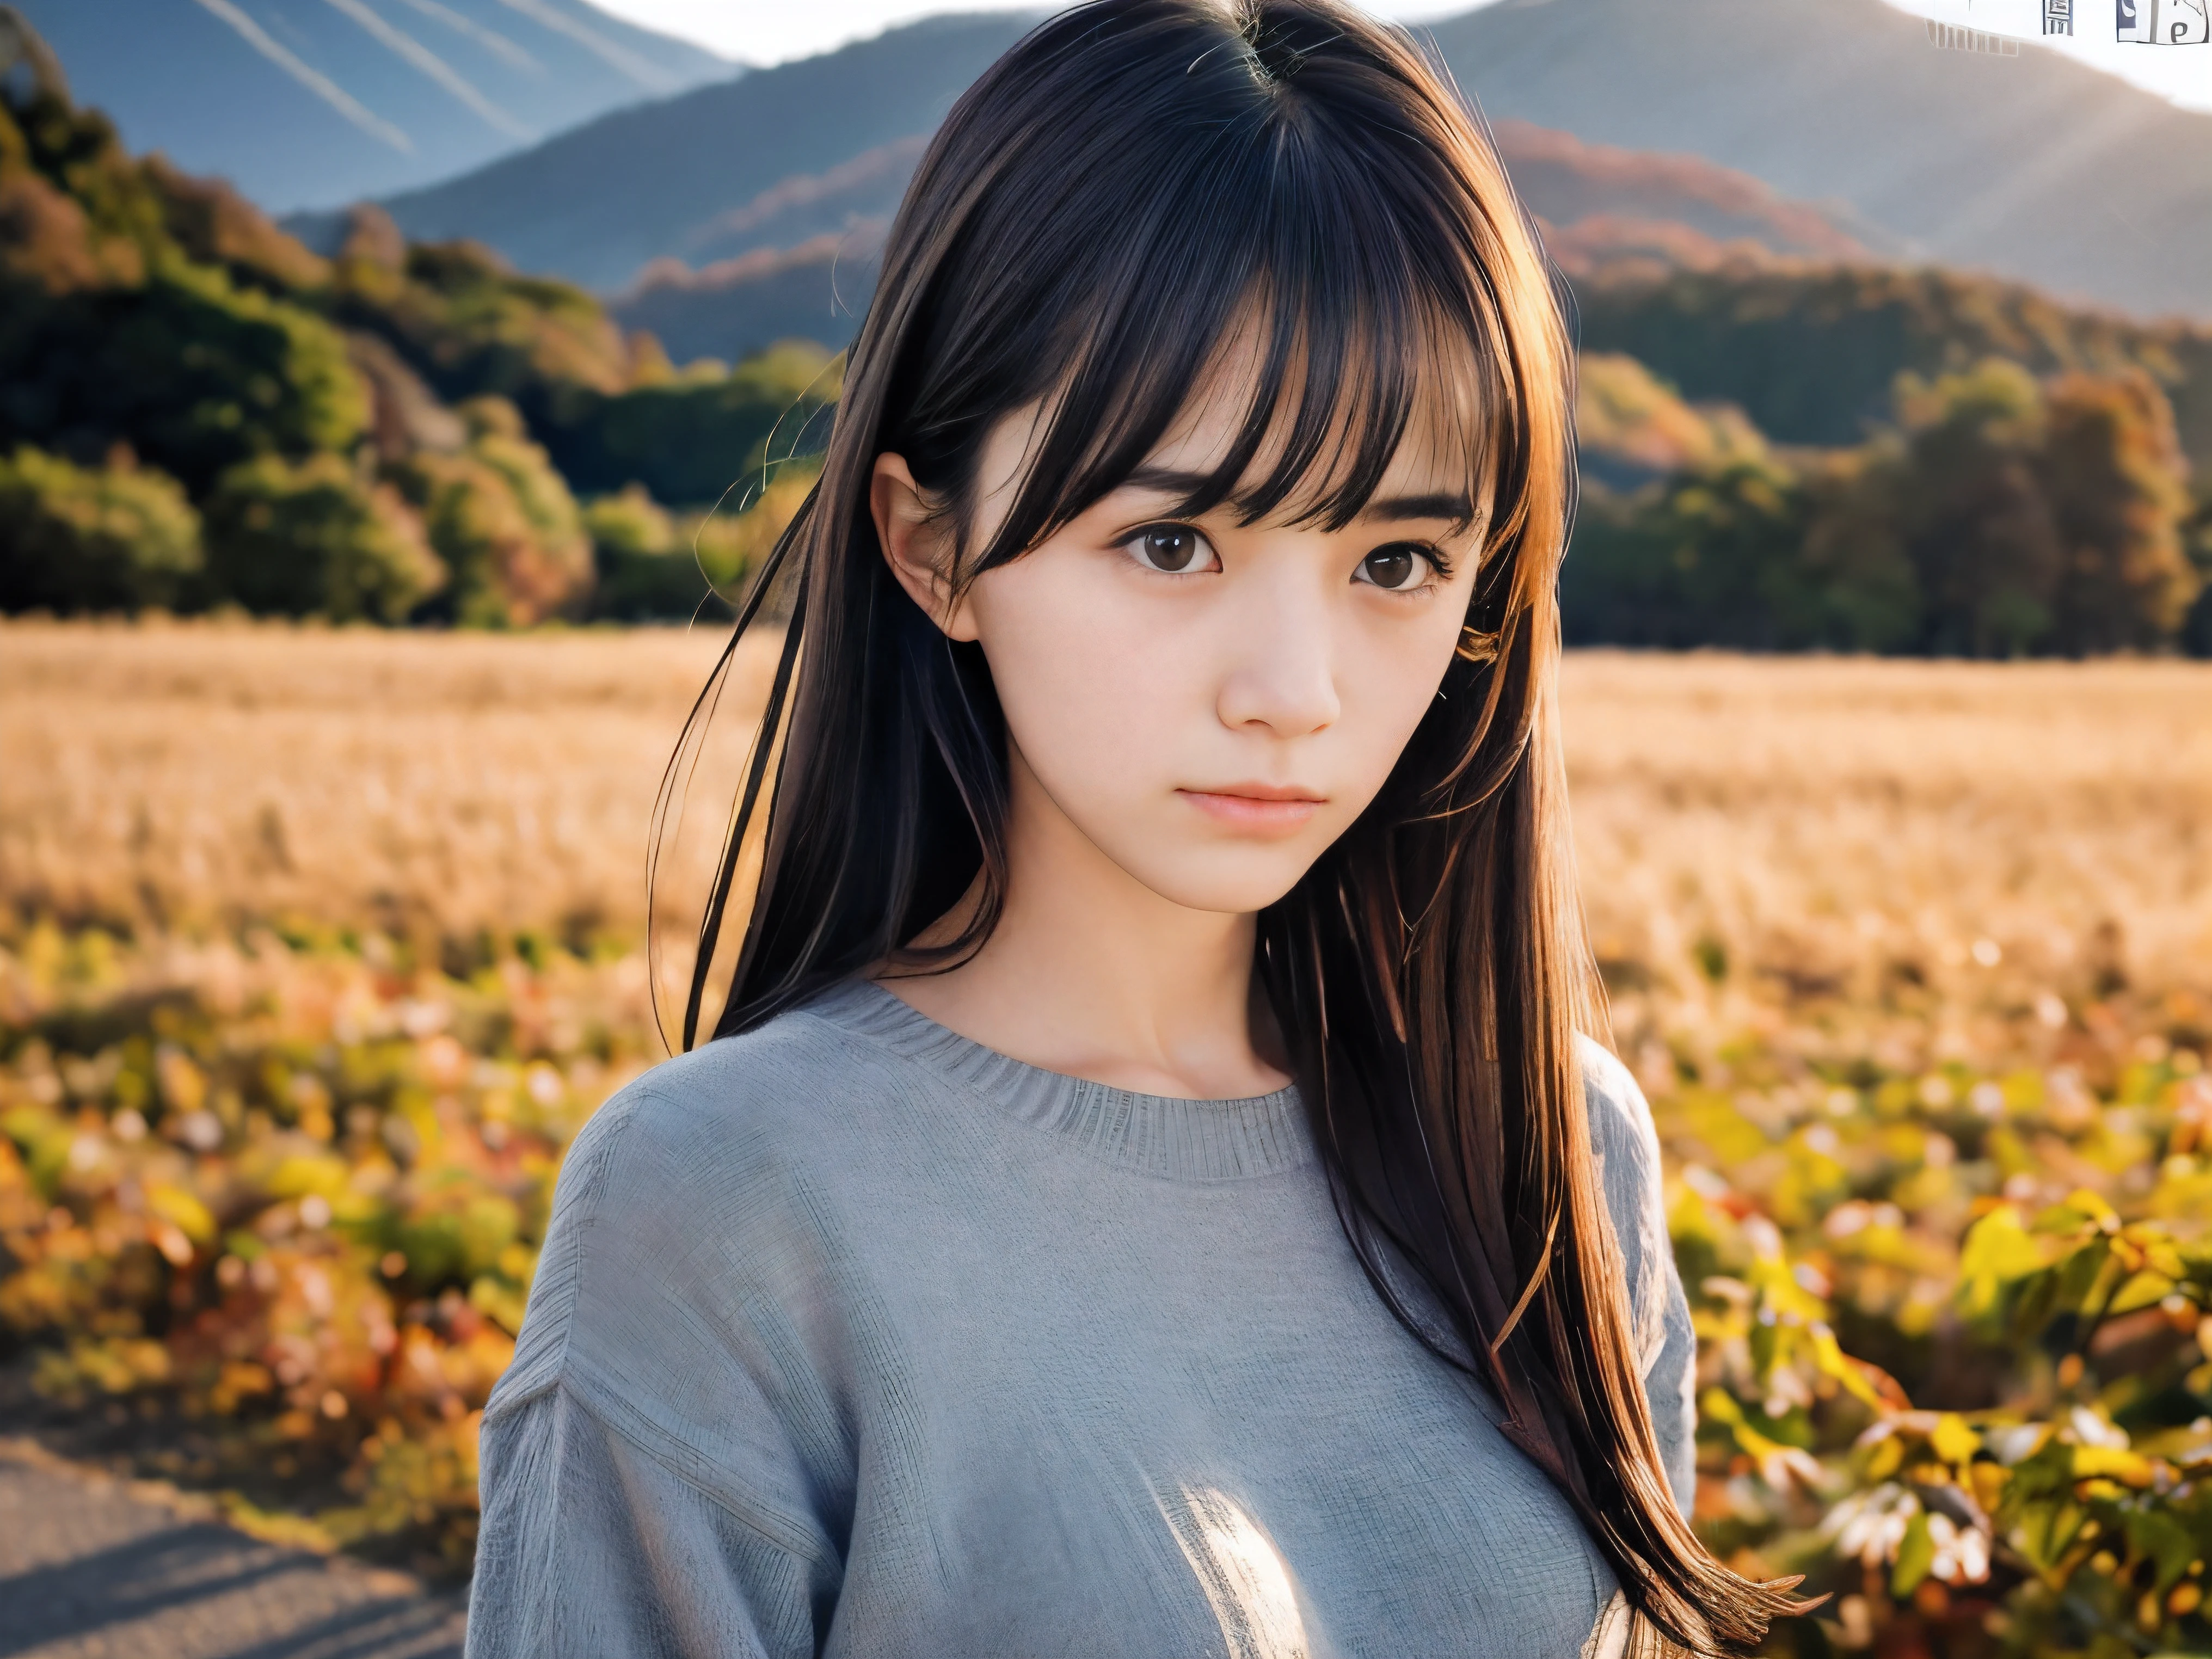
(853, 1337)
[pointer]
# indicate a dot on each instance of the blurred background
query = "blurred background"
(394, 395)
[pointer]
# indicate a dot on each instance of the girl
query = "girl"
(1146, 1194)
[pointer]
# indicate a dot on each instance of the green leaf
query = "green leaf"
(1916, 1553)
(2165, 1541)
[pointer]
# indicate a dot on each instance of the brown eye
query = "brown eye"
(1171, 547)
(1396, 567)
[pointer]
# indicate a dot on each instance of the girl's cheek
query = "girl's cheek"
(1098, 701)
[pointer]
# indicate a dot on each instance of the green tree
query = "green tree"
(1703, 558)
(472, 326)
(1745, 553)
(195, 373)
(315, 537)
(692, 438)
(503, 522)
(2196, 543)
(645, 570)
(2118, 489)
(1959, 483)
(113, 332)
(499, 439)
(114, 537)
(1864, 591)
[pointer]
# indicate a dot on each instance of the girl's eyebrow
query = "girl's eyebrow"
(1454, 507)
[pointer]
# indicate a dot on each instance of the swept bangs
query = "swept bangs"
(1319, 260)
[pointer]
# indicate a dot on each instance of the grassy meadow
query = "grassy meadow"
(319, 944)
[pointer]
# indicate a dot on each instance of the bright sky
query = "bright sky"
(762, 32)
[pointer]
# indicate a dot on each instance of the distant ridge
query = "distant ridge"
(2035, 166)
(1839, 120)
(320, 104)
(734, 307)
(1698, 207)
(1599, 205)
(597, 204)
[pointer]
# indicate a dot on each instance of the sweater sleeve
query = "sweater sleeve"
(1627, 1146)
(592, 1546)
(659, 1464)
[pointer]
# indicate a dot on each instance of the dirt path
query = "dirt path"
(95, 1568)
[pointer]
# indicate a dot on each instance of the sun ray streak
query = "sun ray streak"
(414, 52)
(313, 79)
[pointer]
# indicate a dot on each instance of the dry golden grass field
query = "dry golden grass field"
(1799, 826)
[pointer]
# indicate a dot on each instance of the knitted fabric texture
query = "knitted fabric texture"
(852, 1336)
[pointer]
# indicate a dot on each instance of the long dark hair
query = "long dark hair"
(1118, 195)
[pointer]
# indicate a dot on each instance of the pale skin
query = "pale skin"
(1195, 709)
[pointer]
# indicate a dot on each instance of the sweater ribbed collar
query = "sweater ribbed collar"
(1159, 1134)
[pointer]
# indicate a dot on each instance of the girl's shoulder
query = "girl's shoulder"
(785, 1085)
(1620, 1120)
(692, 1200)
(1626, 1143)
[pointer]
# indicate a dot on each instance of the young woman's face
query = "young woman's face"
(1213, 703)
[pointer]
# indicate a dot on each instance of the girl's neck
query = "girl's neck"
(1092, 974)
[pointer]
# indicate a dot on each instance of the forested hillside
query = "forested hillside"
(1812, 351)
(196, 410)
(1993, 513)
(1910, 460)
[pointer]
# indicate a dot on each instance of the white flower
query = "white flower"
(2091, 1430)
(1870, 1525)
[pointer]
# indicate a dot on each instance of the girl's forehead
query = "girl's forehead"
(1439, 451)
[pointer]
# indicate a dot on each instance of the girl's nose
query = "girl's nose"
(1282, 670)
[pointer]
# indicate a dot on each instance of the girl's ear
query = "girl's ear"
(917, 544)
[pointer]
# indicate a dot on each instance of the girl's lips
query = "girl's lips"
(1256, 807)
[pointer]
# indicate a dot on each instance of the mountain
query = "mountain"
(1601, 208)
(735, 307)
(312, 102)
(2035, 168)
(790, 146)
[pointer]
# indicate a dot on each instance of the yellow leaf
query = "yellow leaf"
(304, 1173)
(184, 1085)
(2117, 1462)
(185, 1213)
(1829, 1356)
(2083, 1210)
(1952, 1441)
(1997, 1248)
(1989, 1480)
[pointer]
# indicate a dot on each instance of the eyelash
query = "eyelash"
(1129, 543)
(1440, 567)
